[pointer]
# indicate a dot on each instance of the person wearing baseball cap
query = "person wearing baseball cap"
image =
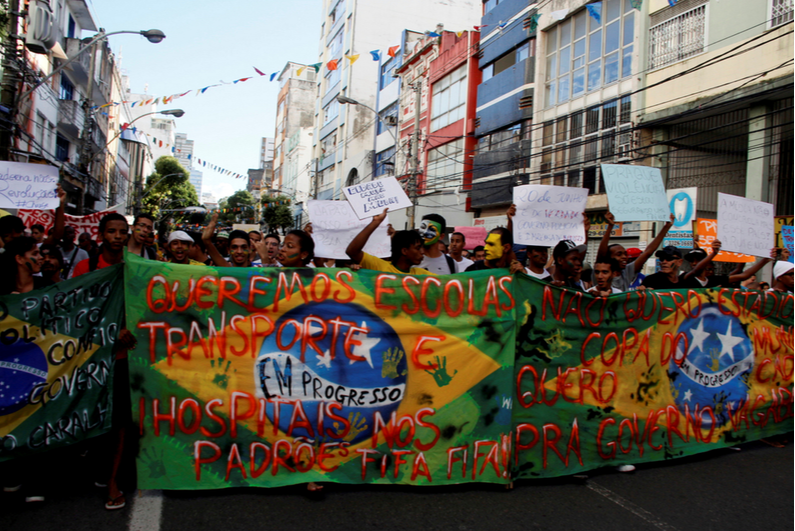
(568, 265)
(783, 275)
(179, 246)
(668, 277)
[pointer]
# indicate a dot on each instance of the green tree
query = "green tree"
(168, 188)
(243, 200)
(276, 212)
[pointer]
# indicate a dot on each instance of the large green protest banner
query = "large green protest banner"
(56, 362)
(645, 376)
(269, 377)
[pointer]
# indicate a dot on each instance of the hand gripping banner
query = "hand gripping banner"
(646, 376)
(269, 377)
(56, 362)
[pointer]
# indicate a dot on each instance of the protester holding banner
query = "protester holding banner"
(456, 250)
(52, 263)
(432, 230)
(20, 266)
(254, 237)
(179, 247)
(139, 244)
(198, 252)
(113, 230)
(669, 277)
(498, 253)
(568, 265)
(298, 249)
(239, 246)
(406, 250)
(604, 271)
(629, 268)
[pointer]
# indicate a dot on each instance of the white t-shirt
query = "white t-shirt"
(539, 276)
(461, 265)
(72, 258)
(438, 265)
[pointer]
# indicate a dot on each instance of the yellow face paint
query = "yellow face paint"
(493, 247)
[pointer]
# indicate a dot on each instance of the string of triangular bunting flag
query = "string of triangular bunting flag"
(334, 64)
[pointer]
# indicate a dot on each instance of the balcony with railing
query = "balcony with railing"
(70, 117)
(81, 67)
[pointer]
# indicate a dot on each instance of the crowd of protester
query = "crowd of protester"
(31, 259)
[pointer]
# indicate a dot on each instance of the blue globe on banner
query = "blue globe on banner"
(327, 352)
(715, 370)
(22, 367)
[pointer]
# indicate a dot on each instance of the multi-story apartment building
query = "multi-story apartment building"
(183, 150)
(344, 135)
(444, 70)
(197, 179)
(295, 112)
(61, 122)
(265, 151)
(505, 103)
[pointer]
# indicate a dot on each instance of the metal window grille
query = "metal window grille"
(780, 12)
(680, 37)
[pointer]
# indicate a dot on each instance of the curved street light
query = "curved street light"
(176, 113)
(350, 101)
(153, 35)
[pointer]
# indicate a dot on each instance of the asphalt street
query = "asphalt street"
(725, 490)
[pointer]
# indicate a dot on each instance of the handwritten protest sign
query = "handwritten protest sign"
(56, 362)
(779, 222)
(745, 226)
(31, 186)
(316, 375)
(786, 236)
(635, 193)
(335, 225)
(644, 376)
(547, 214)
(81, 224)
(473, 236)
(371, 198)
(707, 232)
(275, 377)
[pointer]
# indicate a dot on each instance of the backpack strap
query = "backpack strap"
(93, 261)
(450, 264)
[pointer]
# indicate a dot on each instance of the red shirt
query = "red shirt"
(82, 267)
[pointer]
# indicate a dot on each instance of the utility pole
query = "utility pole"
(11, 78)
(415, 158)
(316, 178)
(88, 127)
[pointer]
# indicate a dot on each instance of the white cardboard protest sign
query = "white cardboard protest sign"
(745, 226)
(547, 214)
(335, 225)
(31, 186)
(635, 193)
(371, 198)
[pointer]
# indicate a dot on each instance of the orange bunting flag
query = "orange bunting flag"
(332, 65)
(352, 58)
(392, 51)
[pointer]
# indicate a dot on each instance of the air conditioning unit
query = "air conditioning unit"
(390, 120)
(624, 147)
(41, 35)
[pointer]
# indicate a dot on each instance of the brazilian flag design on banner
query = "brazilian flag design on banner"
(645, 376)
(56, 362)
(269, 377)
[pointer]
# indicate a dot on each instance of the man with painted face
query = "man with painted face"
(668, 277)
(432, 231)
(138, 244)
(499, 253)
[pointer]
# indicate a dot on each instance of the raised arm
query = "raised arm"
(60, 219)
(605, 243)
(510, 213)
(354, 250)
(646, 254)
(716, 245)
(207, 238)
(586, 223)
(751, 271)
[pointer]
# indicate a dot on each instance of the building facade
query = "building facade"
(344, 135)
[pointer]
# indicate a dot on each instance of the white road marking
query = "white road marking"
(629, 506)
(146, 511)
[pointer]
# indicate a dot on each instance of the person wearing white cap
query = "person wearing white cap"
(783, 276)
(179, 246)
